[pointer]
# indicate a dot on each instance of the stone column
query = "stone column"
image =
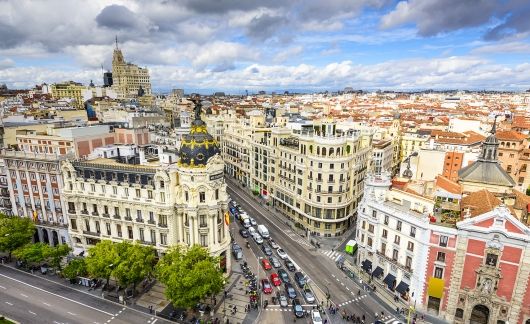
(456, 278)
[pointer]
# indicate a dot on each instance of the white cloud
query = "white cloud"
(6, 63)
(289, 53)
(499, 48)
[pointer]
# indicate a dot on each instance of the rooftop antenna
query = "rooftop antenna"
(116, 41)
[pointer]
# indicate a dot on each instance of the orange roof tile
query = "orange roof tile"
(510, 135)
(479, 202)
(448, 185)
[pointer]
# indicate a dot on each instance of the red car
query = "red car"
(275, 279)
(266, 264)
(266, 286)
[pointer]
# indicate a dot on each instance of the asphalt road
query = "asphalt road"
(320, 268)
(29, 299)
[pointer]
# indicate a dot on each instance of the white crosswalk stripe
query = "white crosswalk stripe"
(334, 255)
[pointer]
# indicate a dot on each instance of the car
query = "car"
(244, 233)
(253, 222)
(273, 244)
(266, 265)
(308, 296)
(289, 265)
(267, 250)
(290, 291)
(275, 262)
(315, 317)
(283, 300)
(275, 279)
(300, 279)
(258, 238)
(266, 286)
(281, 254)
(251, 230)
(237, 251)
(284, 276)
(297, 308)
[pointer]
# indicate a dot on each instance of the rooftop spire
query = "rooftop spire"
(116, 41)
(494, 127)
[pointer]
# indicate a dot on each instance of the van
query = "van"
(245, 220)
(264, 232)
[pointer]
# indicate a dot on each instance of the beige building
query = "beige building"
(72, 90)
(128, 78)
(315, 176)
(412, 142)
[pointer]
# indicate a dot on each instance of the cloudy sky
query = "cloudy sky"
(272, 44)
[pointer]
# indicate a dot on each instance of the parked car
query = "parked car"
(315, 317)
(266, 265)
(266, 286)
(244, 233)
(273, 244)
(237, 251)
(267, 250)
(281, 254)
(253, 222)
(308, 296)
(275, 262)
(300, 279)
(275, 279)
(297, 308)
(289, 265)
(290, 291)
(258, 238)
(251, 230)
(284, 276)
(283, 300)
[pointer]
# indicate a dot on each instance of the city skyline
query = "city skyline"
(274, 45)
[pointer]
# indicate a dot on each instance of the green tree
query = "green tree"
(102, 258)
(190, 274)
(32, 253)
(136, 263)
(55, 255)
(15, 232)
(76, 268)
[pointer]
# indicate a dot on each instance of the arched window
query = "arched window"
(323, 151)
(459, 313)
(311, 149)
(318, 150)
(348, 149)
(331, 151)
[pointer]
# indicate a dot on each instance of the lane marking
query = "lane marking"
(108, 321)
(32, 313)
(21, 294)
(47, 304)
(9, 303)
(71, 313)
(2, 287)
(156, 319)
(56, 295)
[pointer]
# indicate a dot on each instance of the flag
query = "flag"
(227, 218)
(34, 216)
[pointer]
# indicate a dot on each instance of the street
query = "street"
(318, 265)
(29, 299)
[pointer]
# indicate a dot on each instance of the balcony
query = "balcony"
(84, 212)
(71, 211)
(106, 215)
(116, 217)
(151, 221)
(395, 262)
(128, 218)
(162, 225)
(51, 224)
(139, 220)
(91, 233)
(147, 242)
(95, 213)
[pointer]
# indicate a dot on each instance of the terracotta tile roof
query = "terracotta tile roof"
(448, 185)
(521, 200)
(510, 135)
(521, 122)
(479, 202)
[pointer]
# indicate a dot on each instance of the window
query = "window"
(128, 213)
(330, 200)
(385, 233)
(162, 184)
(107, 225)
(142, 238)
(459, 313)
(443, 240)
(118, 229)
(395, 254)
(491, 259)
(398, 225)
(186, 196)
(408, 262)
(130, 232)
(438, 272)
(217, 194)
(162, 220)
(202, 221)
(138, 215)
(202, 196)
(87, 225)
(440, 257)
(370, 228)
(330, 189)
(412, 231)
(93, 187)
(138, 193)
(386, 220)
(116, 211)
(153, 236)
(204, 241)
(364, 224)
(162, 197)
(397, 239)
(370, 242)
(150, 194)
(163, 238)
(383, 248)
(98, 230)
(73, 222)
(410, 246)
(71, 207)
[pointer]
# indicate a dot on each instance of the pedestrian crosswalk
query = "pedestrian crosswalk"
(388, 319)
(352, 300)
(334, 255)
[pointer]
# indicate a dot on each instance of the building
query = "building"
(129, 80)
(35, 185)
(152, 199)
(512, 146)
(412, 142)
(382, 156)
(69, 90)
(5, 197)
(452, 164)
(314, 176)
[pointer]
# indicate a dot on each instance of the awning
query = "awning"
(390, 281)
(367, 265)
(377, 272)
(436, 287)
(402, 288)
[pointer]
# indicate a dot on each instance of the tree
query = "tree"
(136, 263)
(55, 255)
(15, 232)
(102, 258)
(32, 253)
(76, 268)
(190, 274)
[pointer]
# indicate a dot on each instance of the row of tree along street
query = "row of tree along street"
(190, 274)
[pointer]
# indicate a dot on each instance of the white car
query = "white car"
(281, 254)
(251, 230)
(253, 222)
(315, 316)
(258, 238)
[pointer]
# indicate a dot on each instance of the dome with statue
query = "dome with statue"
(198, 146)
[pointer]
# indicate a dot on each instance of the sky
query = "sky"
(272, 45)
